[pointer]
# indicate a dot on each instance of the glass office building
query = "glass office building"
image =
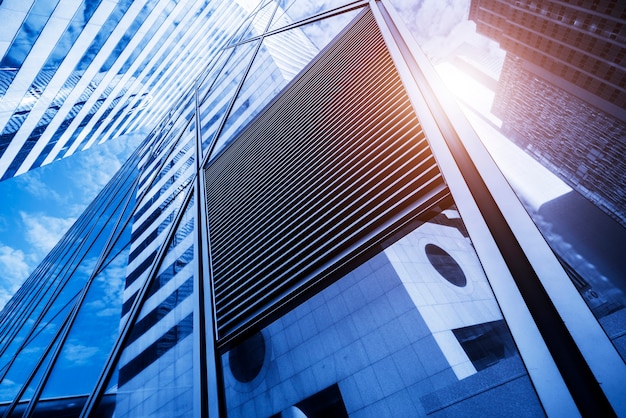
(76, 73)
(311, 229)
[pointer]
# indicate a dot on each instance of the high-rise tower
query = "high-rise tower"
(78, 73)
(307, 234)
(562, 90)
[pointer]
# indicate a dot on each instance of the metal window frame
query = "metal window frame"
(67, 325)
(69, 267)
(467, 167)
(98, 391)
(111, 362)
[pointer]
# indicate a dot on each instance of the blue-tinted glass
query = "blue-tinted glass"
(588, 244)
(86, 120)
(220, 20)
(103, 34)
(34, 347)
(37, 290)
(119, 118)
(154, 375)
(130, 33)
(320, 32)
(28, 319)
(60, 286)
(146, 38)
(256, 22)
(276, 64)
(109, 25)
(121, 115)
(28, 389)
(222, 88)
(26, 37)
(93, 333)
(390, 338)
(73, 31)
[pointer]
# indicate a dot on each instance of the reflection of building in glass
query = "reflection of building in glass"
(306, 235)
(562, 91)
(375, 333)
(116, 66)
(21, 113)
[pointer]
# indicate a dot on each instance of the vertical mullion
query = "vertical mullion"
(233, 99)
(202, 347)
(135, 309)
(68, 323)
(70, 267)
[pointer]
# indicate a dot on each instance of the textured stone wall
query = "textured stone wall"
(581, 144)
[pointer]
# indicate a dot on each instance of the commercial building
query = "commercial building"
(307, 234)
(562, 90)
(77, 73)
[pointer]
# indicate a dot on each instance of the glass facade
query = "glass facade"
(555, 83)
(116, 68)
(390, 338)
(308, 229)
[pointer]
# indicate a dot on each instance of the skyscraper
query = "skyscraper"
(306, 234)
(562, 90)
(78, 73)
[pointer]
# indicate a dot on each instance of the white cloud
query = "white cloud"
(108, 286)
(78, 354)
(9, 388)
(43, 232)
(439, 48)
(33, 184)
(93, 173)
(93, 168)
(72, 191)
(14, 269)
(112, 281)
(437, 25)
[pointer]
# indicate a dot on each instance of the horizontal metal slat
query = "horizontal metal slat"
(329, 164)
(269, 171)
(340, 198)
(282, 187)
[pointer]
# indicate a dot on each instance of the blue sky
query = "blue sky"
(39, 206)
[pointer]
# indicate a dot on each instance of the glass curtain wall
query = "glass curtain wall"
(298, 199)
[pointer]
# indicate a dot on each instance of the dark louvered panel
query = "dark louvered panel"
(335, 160)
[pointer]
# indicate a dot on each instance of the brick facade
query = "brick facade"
(584, 146)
